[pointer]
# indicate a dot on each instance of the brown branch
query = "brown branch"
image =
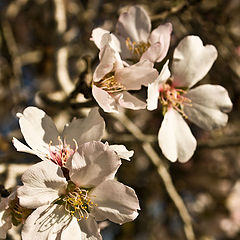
(162, 171)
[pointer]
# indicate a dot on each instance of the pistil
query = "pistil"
(61, 153)
(171, 97)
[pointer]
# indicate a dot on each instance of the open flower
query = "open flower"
(42, 136)
(112, 81)
(68, 208)
(134, 39)
(205, 105)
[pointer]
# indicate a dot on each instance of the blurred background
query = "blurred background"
(46, 60)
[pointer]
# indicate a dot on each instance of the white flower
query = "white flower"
(204, 105)
(134, 39)
(112, 81)
(42, 136)
(69, 209)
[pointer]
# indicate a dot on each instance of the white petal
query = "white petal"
(160, 41)
(153, 88)
(137, 75)
(38, 129)
(106, 64)
(192, 61)
(97, 34)
(135, 24)
(175, 138)
(115, 201)
(23, 148)
(127, 100)
(85, 130)
(43, 183)
(46, 223)
(100, 38)
(84, 230)
(122, 151)
(209, 105)
(95, 162)
(105, 100)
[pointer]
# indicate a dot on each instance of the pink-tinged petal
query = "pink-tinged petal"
(38, 129)
(175, 138)
(160, 41)
(43, 183)
(153, 88)
(47, 222)
(192, 61)
(134, 24)
(85, 130)
(122, 151)
(210, 103)
(137, 75)
(106, 64)
(104, 100)
(84, 230)
(127, 100)
(115, 201)
(94, 163)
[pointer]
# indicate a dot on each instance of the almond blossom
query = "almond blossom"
(134, 39)
(68, 204)
(41, 134)
(205, 105)
(112, 81)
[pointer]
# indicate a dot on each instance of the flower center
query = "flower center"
(61, 153)
(171, 97)
(137, 48)
(109, 84)
(76, 202)
(19, 214)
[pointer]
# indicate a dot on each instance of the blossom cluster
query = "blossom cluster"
(74, 187)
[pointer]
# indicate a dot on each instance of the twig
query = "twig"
(162, 171)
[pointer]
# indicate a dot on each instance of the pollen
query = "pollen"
(109, 84)
(171, 97)
(77, 203)
(137, 48)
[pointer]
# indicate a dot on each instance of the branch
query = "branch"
(62, 52)
(162, 171)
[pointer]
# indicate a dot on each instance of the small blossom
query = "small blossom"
(112, 81)
(68, 208)
(204, 105)
(134, 39)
